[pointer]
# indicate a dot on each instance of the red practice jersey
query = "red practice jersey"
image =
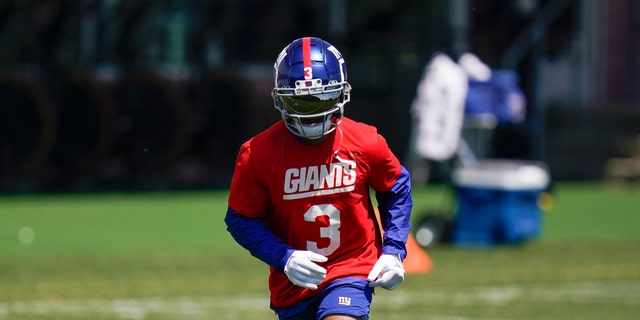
(315, 201)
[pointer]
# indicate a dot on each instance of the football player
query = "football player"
(300, 194)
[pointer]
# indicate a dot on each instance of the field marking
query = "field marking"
(135, 309)
(615, 293)
(235, 306)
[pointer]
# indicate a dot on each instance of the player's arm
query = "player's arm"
(247, 200)
(249, 228)
(395, 212)
(255, 235)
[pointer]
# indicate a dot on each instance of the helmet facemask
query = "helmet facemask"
(312, 110)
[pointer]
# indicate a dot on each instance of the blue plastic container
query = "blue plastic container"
(497, 202)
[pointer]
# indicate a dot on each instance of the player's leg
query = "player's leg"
(346, 299)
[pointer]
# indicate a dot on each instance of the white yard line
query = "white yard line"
(615, 293)
(185, 307)
(234, 307)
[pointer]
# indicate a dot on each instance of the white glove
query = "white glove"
(387, 273)
(303, 272)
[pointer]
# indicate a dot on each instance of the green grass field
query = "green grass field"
(168, 256)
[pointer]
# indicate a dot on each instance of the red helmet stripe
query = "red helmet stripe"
(306, 51)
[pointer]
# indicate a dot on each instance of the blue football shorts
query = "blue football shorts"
(350, 296)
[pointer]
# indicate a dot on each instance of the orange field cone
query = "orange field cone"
(417, 261)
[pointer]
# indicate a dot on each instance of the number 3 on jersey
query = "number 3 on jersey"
(332, 232)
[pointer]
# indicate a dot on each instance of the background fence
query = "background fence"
(153, 95)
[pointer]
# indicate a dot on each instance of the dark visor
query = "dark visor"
(310, 104)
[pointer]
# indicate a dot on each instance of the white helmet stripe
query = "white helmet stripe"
(338, 55)
(276, 65)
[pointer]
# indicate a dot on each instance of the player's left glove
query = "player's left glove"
(387, 273)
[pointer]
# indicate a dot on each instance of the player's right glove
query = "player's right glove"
(303, 272)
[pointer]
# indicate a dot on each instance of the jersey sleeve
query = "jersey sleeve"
(384, 166)
(247, 195)
(248, 200)
(392, 183)
(254, 235)
(395, 208)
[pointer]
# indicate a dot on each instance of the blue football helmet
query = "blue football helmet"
(311, 87)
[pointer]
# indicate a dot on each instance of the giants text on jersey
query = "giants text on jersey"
(319, 180)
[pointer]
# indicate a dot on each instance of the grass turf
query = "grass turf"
(168, 256)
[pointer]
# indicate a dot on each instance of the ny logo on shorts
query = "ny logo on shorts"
(345, 301)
